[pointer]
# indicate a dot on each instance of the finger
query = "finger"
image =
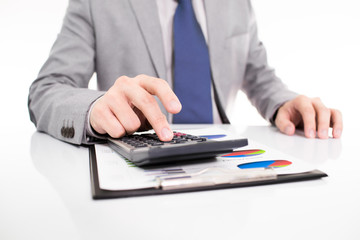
(104, 121)
(112, 126)
(323, 118)
(336, 123)
(147, 104)
(307, 112)
(162, 90)
(145, 125)
(284, 123)
(120, 107)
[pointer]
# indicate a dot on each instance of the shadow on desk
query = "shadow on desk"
(314, 151)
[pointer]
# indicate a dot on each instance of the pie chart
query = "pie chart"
(244, 153)
(213, 136)
(265, 164)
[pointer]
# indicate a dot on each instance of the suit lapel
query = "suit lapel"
(146, 13)
(216, 16)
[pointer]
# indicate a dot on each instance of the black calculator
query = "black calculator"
(147, 148)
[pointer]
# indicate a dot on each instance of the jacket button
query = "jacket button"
(66, 132)
(62, 131)
(71, 132)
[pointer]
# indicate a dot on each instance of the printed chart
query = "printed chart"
(215, 136)
(265, 164)
(244, 153)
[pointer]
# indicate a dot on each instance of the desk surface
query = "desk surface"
(45, 194)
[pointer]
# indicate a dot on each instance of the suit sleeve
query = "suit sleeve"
(59, 98)
(263, 88)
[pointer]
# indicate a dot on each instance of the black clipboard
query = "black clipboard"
(98, 193)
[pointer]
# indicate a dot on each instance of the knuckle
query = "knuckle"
(110, 95)
(141, 76)
(160, 119)
(137, 124)
(159, 80)
(122, 79)
(122, 82)
(147, 100)
(117, 133)
(337, 112)
(154, 82)
(316, 99)
(302, 98)
(96, 110)
(97, 114)
(95, 125)
(123, 85)
(162, 83)
(134, 126)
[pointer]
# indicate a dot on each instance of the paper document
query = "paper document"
(118, 173)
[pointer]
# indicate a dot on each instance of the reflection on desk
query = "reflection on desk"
(314, 151)
(316, 208)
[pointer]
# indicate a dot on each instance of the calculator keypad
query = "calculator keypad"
(152, 140)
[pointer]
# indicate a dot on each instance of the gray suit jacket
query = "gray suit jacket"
(123, 37)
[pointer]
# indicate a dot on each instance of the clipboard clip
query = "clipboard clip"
(214, 176)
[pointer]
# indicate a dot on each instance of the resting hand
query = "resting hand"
(129, 105)
(312, 115)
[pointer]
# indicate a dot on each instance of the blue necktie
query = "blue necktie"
(192, 75)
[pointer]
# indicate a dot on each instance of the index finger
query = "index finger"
(147, 104)
(162, 90)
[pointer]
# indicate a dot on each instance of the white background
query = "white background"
(313, 45)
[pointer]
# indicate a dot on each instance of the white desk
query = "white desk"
(45, 186)
(45, 194)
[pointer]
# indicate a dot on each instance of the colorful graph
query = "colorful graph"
(265, 164)
(244, 153)
(214, 136)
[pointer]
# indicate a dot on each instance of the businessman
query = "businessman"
(159, 62)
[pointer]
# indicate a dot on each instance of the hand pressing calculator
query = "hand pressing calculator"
(147, 149)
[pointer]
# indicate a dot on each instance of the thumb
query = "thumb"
(284, 124)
